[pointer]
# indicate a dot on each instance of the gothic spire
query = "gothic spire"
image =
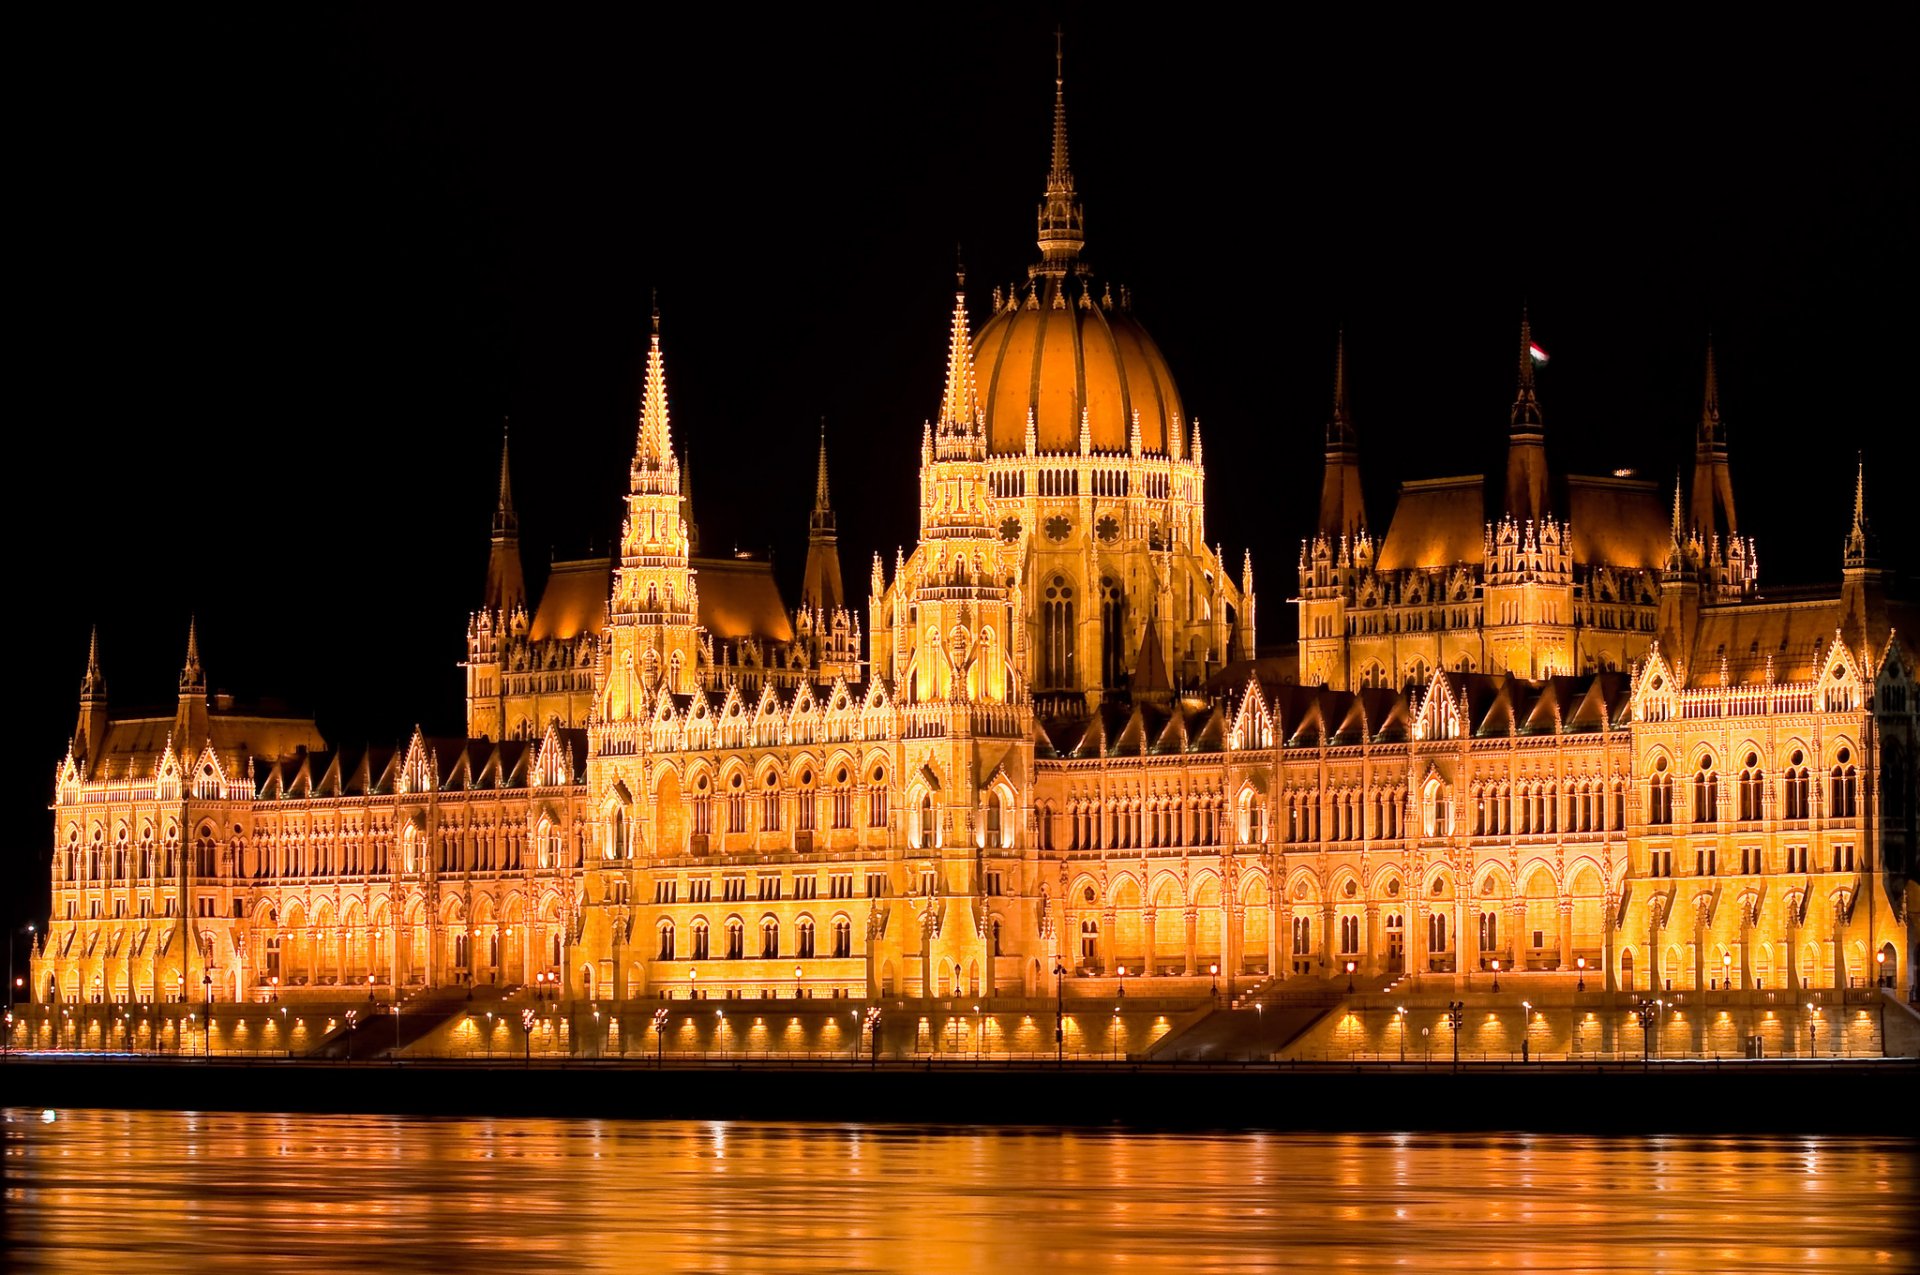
(1862, 546)
(1712, 478)
(960, 405)
(192, 676)
(93, 683)
(90, 728)
(506, 589)
(1062, 225)
(820, 502)
(1526, 440)
(504, 518)
(655, 449)
(1342, 513)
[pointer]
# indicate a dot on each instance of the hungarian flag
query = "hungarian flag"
(1539, 355)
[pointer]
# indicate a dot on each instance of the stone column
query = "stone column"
(1839, 956)
(1417, 919)
(1609, 955)
(1329, 958)
(1793, 949)
(1192, 920)
(1520, 941)
(1109, 942)
(1746, 946)
(1149, 926)
(1283, 922)
(1699, 948)
(1566, 933)
(1374, 960)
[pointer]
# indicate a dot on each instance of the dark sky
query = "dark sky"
(278, 277)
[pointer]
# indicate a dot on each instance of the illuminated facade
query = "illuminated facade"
(1543, 719)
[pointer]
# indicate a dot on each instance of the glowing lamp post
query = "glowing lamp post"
(1726, 972)
(873, 1031)
(798, 990)
(1496, 973)
(1059, 1011)
(1400, 1017)
(1880, 996)
(1213, 972)
(206, 1028)
(1349, 976)
(1648, 1012)
(660, 1036)
(527, 1019)
(1813, 1031)
(1581, 965)
(1455, 1013)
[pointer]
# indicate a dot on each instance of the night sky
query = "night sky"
(278, 279)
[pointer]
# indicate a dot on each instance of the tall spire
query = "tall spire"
(821, 588)
(506, 589)
(655, 450)
(504, 518)
(1526, 440)
(1712, 479)
(1062, 225)
(1862, 547)
(94, 683)
(1342, 513)
(90, 729)
(192, 676)
(821, 504)
(960, 427)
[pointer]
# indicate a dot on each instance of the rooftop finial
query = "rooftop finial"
(820, 501)
(656, 312)
(655, 448)
(1861, 549)
(960, 406)
(504, 519)
(1526, 408)
(1062, 226)
(192, 677)
(93, 653)
(1339, 428)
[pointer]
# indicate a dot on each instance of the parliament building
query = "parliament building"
(1546, 719)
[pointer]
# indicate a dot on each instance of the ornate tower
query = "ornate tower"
(652, 620)
(190, 716)
(1863, 598)
(821, 590)
(1527, 497)
(1726, 556)
(501, 618)
(90, 732)
(1340, 546)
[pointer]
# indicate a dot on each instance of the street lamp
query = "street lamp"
(693, 985)
(1581, 963)
(1880, 996)
(1813, 1031)
(660, 1036)
(1400, 1017)
(527, 1017)
(798, 991)
(1726, 972)
(1349, 976)
(206, 1028)
(1213, 971)
(275, 994)
(1648, 1011)
(1455, 1013)
(873, 1031)
(1496, 973)
(1122, 971)
(1526, 1027)
(369, 989)
(1059, 1011)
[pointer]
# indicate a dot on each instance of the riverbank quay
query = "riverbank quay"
(1733, 1095)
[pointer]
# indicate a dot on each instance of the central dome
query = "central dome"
(1054, 352)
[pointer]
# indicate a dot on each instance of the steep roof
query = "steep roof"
(1617, 521)
(1438, 522)
(574, 601)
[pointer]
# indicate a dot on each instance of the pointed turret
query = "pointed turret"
(655, 468)
(190, 715)
(1712, 479)
(1527, 497)
(506, 583)
(1342, 514)
(1862, 550)
(961, 429)
(90, 732)
(821, 589)
(1062, 225)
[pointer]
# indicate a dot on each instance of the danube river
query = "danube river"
(91, 1190)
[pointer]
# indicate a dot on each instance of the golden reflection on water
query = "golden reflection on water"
(99, 1190)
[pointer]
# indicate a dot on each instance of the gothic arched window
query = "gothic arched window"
(1113, 633)
(1843, 791)
(1057, 636)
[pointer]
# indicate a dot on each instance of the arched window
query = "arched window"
(1436, 931)
(1843, 789)
(702, 807)
(700, 947)
(803, 938)
(1706, 792)
(877, 799)
(666, 940)
(736, 938)
(736, 803)
(1660, 794)
(842, 937)
(805, 809)
(923, 822)
(994, 819)
(1057, 636)
(617, 832)
(1113, 633)
(1751, 788)
(1799, 787)
(1090, 944)
(770, 804)
(769, 938)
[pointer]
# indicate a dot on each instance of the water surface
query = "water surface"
(96, 1190)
